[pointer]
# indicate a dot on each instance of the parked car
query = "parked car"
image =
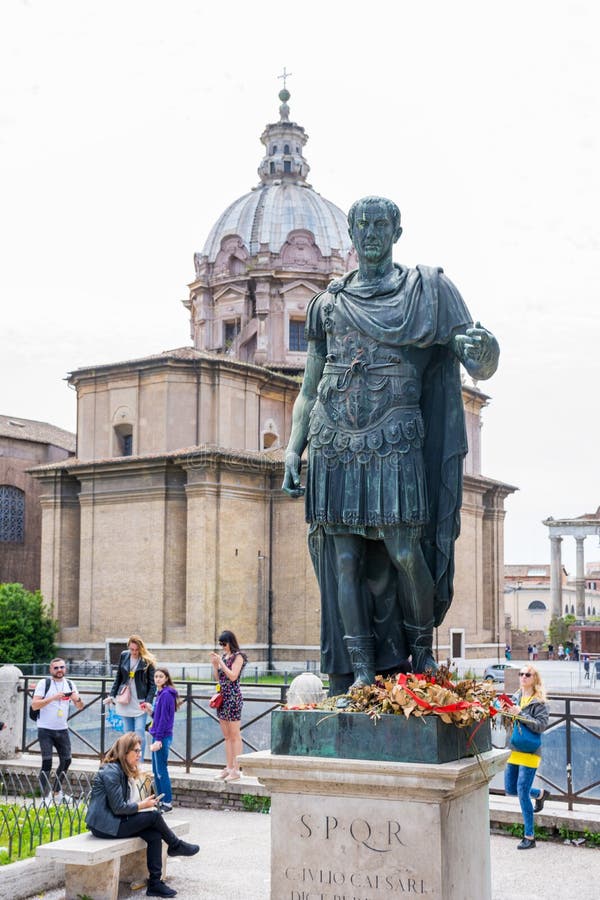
(496, 671)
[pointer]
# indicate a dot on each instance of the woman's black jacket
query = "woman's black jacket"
(144, 678)
(108, 802)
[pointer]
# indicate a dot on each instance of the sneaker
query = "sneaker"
(63, 798)
(166, 807)
(160, 889)
(47, 800)
(526, 844)
(539, 803)
(182, 848)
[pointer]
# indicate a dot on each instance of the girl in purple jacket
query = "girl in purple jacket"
(162, 732)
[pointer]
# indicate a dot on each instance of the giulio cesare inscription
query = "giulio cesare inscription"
(350, 857)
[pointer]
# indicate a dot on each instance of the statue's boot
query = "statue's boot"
(420, 641)
(361, 650)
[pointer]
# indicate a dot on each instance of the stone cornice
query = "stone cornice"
(197, 360)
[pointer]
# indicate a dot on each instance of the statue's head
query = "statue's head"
(374, 227)
(389, 205)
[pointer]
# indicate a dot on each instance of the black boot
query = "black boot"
(420, 639)
(182, 848)
(361, 650)
(157, 888)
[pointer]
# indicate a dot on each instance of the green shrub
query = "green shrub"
(27, 629)
(252, 803)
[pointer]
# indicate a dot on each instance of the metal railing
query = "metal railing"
(27, 820)
(571, 744)
(197, 738)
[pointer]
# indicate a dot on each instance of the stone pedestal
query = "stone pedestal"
(345, 829)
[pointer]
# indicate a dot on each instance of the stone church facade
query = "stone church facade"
(170, 521)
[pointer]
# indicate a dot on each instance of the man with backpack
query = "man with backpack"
(51, 700)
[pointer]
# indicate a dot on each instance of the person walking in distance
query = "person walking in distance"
(51, 700)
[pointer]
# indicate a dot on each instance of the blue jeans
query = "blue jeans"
(137, 724)
(517, 782)
(160, 758)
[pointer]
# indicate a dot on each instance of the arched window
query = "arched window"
(286, 148)
(566, 609)
(572, 610)
(12, 514)
(273, 149)
(124, 439)
(536, 605)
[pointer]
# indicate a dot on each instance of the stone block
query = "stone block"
(422, 739)
(367, 830)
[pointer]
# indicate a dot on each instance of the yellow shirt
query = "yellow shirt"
(531, 760)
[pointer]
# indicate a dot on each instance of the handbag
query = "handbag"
(523, 740)
(216, 700)
(114, 720)
(124, 695)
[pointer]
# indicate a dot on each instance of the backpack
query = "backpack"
(34, 714)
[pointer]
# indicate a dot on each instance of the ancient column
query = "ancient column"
(556, 575)
(579, 579)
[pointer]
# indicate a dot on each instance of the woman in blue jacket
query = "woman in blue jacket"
(162, 732)
(115, 810)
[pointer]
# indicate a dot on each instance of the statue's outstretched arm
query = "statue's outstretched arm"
(478, 351)
(302, 407)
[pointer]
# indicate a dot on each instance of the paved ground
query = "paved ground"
(233, 863)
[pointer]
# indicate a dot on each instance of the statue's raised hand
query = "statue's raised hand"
(478, 351)
(291, 480)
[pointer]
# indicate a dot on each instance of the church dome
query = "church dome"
(266, 256)
(266, 215)
(283, 202)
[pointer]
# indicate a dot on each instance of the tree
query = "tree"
(27, 629)
(558, 631)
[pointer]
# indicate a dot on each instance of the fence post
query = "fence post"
(11, 710)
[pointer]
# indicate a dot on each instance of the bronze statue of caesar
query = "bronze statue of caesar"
(381, 412)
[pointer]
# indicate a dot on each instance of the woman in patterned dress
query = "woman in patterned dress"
(227, 670)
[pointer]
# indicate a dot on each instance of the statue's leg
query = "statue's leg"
(350, 554)
(416, 593)
(354, 609)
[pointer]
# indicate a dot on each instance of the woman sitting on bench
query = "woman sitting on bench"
(115, 812)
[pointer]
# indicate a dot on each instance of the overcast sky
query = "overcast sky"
(126, 127)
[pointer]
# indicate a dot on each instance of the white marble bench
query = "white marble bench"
(95, 866)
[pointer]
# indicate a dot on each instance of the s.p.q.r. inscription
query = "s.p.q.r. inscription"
(380, 837)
